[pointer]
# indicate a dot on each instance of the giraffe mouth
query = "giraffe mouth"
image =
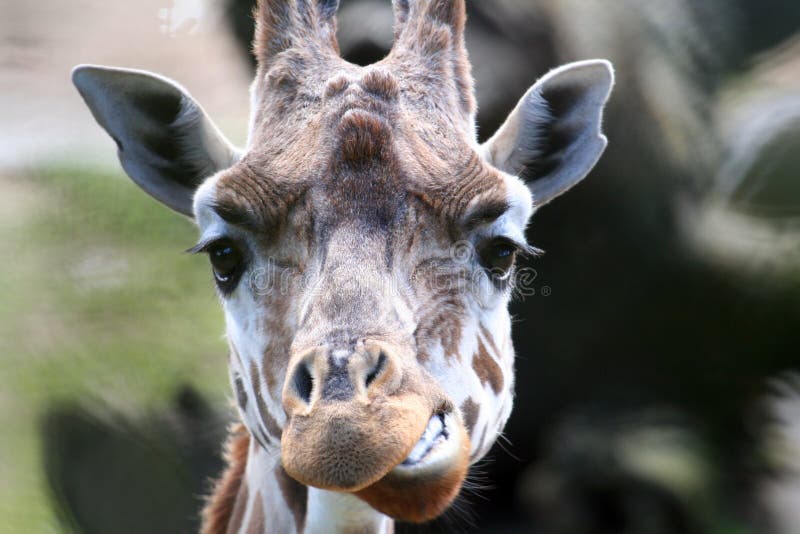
(435, 433)
(422, 486)
(437, 446)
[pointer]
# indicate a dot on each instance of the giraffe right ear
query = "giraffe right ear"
(552, 139)
(166, 142)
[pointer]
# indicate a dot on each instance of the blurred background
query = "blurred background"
(655, 385)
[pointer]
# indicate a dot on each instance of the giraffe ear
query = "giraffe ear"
(166, 142)
(552, 139)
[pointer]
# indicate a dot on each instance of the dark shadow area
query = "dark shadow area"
(112, 473)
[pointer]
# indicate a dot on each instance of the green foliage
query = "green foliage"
(98, 302)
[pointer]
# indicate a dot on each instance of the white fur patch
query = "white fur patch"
(329, 511)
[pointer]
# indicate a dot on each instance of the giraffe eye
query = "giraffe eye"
(497, 256)
(226, 262)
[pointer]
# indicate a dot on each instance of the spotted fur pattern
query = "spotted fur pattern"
(351, 199)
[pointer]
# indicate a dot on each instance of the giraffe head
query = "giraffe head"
(363, 243)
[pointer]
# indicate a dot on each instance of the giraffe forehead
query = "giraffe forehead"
(368, 170)
(373, 153)
(362, 203)
(376, 81)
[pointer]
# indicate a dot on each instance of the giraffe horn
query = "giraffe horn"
(285, 24)
(431, 33)
(401, 9)
(415, 20)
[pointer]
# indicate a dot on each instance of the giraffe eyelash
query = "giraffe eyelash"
(205, 244)
(523, 249)
(529, 251)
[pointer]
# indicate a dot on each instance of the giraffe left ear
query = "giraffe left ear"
(552, 139)
(165, 141)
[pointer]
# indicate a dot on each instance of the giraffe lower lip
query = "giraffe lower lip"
(422, 487)
(435, 433)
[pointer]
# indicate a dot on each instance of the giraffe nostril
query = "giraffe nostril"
(303, 383)
(377, 370)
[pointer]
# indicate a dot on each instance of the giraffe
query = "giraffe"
(363, 246)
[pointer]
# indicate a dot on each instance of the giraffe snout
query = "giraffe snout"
(354, 412)
(330, 374)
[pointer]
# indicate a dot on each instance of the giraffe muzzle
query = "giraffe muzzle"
(422, 486)
(366, 423)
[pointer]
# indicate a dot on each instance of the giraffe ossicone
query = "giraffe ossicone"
(363, 246)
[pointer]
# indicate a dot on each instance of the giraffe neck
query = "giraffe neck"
(263, 498)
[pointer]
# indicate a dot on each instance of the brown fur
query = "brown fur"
(350, 444)
(363, 136)
(295, 495)
(443, 323)
(351, 161)
(381, 83)
(273, 430)
(469, 411)
(487, 368)
(422, 498)
(276, 354)
(336, 86)
(282, 24)
(218, 514)
(431, 39)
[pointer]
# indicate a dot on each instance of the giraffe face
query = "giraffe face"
(363, 243)
(366, 303)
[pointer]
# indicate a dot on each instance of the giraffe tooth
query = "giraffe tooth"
(432, 433)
